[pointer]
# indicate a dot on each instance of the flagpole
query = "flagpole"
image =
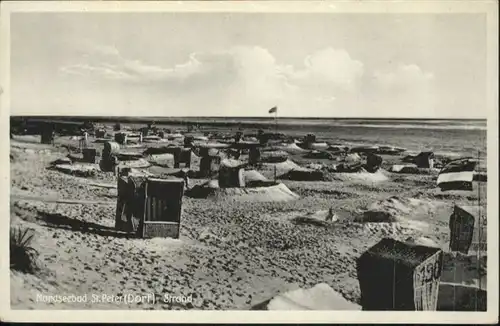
(276, 131)
(276, 120)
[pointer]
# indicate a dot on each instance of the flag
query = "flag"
(457, 175)
(273, 110)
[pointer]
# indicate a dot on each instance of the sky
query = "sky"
(242, 64)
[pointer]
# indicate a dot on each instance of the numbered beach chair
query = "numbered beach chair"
(394, 275)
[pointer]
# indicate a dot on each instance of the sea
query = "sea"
(450, 137)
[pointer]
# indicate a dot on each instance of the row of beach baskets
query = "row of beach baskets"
(392, 275)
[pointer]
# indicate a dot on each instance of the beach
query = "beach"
(234, 251)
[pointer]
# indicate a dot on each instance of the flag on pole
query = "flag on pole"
(275, 111)
(457, 175)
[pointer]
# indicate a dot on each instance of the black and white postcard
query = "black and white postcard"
(265, 161)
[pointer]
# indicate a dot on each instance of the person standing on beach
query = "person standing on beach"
(80, 141)
(330, 215)
(186, 180)
(83, 139)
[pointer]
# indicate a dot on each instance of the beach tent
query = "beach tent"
(467, 227)
(303, 174)
(188, 141)
(395, 275)
(162, 208)
(457, 175)
(254, 156)
(231, 174)
(47, 133)
(309, 139)
(209, 165)
(121, 138)
(373, 162)
(149, 207)
(89, 155)
(424, 160)
(100, 133)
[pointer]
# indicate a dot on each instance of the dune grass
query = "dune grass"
(23, 257)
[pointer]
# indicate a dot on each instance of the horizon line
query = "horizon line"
(272, 117)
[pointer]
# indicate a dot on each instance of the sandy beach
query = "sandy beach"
(234, 251)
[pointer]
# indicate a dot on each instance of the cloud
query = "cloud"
(106, 71)
(243, 77)
(403, 91)
(246, 80)
(110, 65)
(330, 67)
(405, 76)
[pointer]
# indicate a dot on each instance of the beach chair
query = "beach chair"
(162, 208)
